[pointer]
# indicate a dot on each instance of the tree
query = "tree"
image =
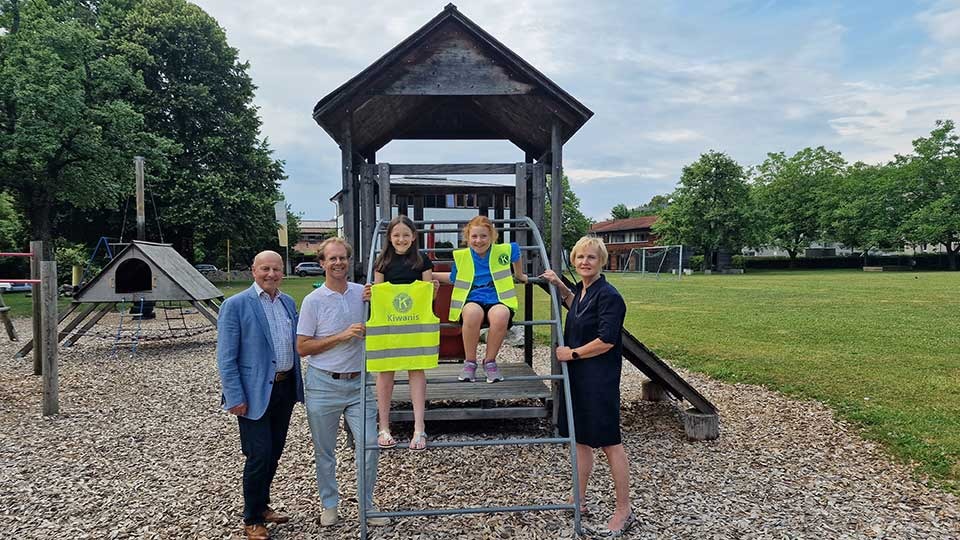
(573, 223)
(223, 182)
(930, 179)
(11, 225)
(652, 208)
(790, 192)
(621, 211)
(863, 209)
(710, 209)
(68, 129)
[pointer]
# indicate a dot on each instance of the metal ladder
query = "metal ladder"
(516, 225)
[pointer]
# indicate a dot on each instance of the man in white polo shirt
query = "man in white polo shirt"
(330, 335)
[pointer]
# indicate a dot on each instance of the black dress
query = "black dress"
(399, 272)
(595, 381)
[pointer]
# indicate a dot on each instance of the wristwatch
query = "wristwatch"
(574, 354)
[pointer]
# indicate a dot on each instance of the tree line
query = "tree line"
(815, 195)
(85, 85)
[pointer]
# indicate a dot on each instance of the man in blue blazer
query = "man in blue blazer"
(260, 374)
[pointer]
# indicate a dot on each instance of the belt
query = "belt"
(349, 375)
(282, 375)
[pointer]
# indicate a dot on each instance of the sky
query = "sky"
(667, 81)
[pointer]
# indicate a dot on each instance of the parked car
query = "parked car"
(206, 268)
(15, 287)
(308, 269)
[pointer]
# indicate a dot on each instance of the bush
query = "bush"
(696, 263)
(925, 261)
(737, 261)
(67, 255)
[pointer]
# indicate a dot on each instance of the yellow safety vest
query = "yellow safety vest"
(402, 333)
(499, 270)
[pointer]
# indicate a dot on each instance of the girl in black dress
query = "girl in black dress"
(593, 352)
(401, 263)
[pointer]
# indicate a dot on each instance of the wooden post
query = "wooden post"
(701, 426)
(556, 241)
(369, 211)
(652, 391)
(556, 197)
(48, 336)
(418, 204)
(348, 206)
(36, 247)
(523, 238)
(383, 180)
(7, 323)
(538, 198)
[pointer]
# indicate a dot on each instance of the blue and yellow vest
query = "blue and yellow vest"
(402, 332)
(499, 270)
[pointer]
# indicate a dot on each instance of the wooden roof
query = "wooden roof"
(628, 224)
(164, 258)
(449, 80)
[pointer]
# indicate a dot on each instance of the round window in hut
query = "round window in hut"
(133, 275)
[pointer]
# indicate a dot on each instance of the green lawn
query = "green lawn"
(880, 349)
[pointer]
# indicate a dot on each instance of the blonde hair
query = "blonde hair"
(480, 221)
(333, 240)
(589, 241)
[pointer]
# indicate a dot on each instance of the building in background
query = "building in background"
(312, 232)
(621, 236)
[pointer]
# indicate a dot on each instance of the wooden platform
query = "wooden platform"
(478, 398)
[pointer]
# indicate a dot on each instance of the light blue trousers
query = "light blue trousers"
(327, 399)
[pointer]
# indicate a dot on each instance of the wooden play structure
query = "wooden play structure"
(452, 80)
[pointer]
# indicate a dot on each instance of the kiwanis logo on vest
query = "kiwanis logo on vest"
(403, 303)
(504, 260)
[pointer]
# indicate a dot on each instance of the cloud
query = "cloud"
(666, 83)
(942, 23)
(675, 135)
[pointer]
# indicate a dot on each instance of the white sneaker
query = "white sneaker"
(378, 521)
(329, 517)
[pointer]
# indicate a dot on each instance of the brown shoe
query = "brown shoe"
(256, 532)
(273, 516)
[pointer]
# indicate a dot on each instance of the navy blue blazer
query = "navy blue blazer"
(245, 356)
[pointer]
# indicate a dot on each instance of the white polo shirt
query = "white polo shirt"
(324, 313)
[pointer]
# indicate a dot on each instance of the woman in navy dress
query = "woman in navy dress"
(593, 356)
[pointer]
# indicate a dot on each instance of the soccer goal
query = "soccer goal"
(654, 261)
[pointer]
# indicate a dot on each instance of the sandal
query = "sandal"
(385, 439)
(419, 441)
(625, 528)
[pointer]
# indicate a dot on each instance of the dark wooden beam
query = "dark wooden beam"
(348, 204)
(369, 211)
(383, 181)
(453, 168)
(556, 242)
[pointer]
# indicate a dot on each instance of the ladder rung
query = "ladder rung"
(490, 442)
(371, 381)
(457, 511)
(544, 322)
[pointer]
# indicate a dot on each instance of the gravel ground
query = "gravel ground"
(142, 450)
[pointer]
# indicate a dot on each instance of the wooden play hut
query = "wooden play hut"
(452, 80)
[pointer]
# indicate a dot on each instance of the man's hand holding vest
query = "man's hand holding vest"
(355, 330)
(367, 292)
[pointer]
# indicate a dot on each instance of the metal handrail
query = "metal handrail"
(564, 376)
